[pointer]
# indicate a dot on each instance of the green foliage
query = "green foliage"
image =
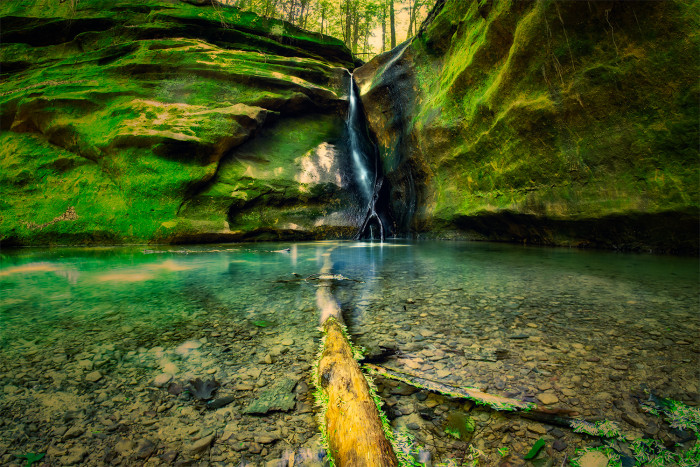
(536, 448)
(262, 323)
(32, 457)
(646, 452)
(460, 426)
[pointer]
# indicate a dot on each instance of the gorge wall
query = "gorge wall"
(164, 121)
(567, 123)
(562, 123)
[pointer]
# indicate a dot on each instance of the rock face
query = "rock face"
(571, 123)
(164, 121)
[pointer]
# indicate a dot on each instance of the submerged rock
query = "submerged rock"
(277, 397)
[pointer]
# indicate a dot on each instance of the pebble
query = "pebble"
(287, 341)
(201, 444)
(73, 433)
(593, 459)
(162, 379)
(145, 449)
(559, 445)
(74, 456)
(539, 429)
(548, 398)
(93, 377)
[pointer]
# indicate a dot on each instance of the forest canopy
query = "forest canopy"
(367, 27)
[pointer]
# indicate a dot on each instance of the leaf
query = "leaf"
(203, 390)
(32, 457)
(536, 448)
(263, 323)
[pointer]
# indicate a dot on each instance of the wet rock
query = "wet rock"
(403, 390)
(538, 429)
(169, 457)
(634, 419)
(125, 447)
(162, 379)
(593, 459)
(559, 445)
(75, 456)
(220, 402)
(548, 398)
(201, 444)
(74, 432)
(145, 449)
(93, 377)
(266, 439)
(557, 433)
(277, 397)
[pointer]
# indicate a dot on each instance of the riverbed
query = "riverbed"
(98, 347)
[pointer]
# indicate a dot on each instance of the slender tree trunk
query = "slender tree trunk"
(302, 18)
(392, 23)
(323, 17)
(413, 18)
(355, 30)
(290, 16)
(348, 24)
(384, 26)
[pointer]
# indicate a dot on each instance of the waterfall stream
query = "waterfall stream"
(365, 163)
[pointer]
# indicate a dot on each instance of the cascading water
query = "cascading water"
(364, 162)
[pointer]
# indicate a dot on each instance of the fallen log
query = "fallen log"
(350, 420)
(553, 416)
(480, 397)
(353, 426)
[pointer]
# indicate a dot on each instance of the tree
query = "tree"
(392, 23)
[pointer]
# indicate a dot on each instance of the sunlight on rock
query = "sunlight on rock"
(29, 268)
(125, 277)
(170, 265)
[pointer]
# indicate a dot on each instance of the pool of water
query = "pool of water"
(97, 345)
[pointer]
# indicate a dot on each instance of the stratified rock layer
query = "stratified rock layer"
(571, 123)
(148, 121)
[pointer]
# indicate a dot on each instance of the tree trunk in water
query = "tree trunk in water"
(392, 23)
(355, 434)
(352, 424)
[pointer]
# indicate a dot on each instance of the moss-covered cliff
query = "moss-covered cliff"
(161, 121)
(545, 122)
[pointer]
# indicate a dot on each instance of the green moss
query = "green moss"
(124, 110)
(529, 107)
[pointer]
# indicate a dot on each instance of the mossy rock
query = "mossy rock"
(556, 118)
(132, 114)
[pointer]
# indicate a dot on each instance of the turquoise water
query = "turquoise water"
(86, 333)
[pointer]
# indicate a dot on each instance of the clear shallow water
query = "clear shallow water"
(85, 333)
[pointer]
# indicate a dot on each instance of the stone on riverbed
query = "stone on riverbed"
(162, 379)
(548, 398)
(277, 397)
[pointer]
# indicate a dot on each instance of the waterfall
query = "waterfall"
(365, 162)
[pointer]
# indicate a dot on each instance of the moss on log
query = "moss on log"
(353, 426)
